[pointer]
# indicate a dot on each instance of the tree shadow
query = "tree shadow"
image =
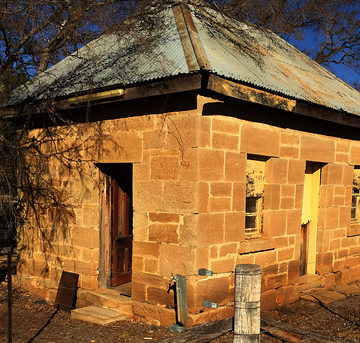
(44, 326)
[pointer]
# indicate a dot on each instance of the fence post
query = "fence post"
(9, 280)
(247, 303)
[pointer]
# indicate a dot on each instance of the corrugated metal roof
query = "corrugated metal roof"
(259, 57)
(234, 50)
(113, 59)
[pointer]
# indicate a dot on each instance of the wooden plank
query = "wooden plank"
(66, 295)
(242, 92)
(181, 298)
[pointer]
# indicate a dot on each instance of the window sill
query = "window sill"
(255, 245)
(354, 229)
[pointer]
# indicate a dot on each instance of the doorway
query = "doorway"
(309, 218)
(117, 229)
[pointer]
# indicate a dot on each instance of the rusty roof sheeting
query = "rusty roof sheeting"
(257, 56)
(234, 50)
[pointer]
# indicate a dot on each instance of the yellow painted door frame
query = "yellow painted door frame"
(310, 212)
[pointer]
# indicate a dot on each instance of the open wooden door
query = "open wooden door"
(121, 238)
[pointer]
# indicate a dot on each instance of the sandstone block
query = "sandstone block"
(165, 233)
(211, 165)
(275, 281)
(355, 153)
(235, 167)
(148, 249)
(271, 197)
(228, 249)
(234, 226)
(293, 222)
(274, 223)
(220, 204)
(276, 170)
(317, 149)
(165, 168)
(121, 148)
(179, 196)
(226, 125)
(296, 172)
(147, 196)
(289, 139)
(176, 259)
(181, 131)
(289, 152)
(204, 134)
(285, 254)
(138, 292)
(159, 296)
(210, 228)
(225, 142)
(219, 189)
(260, 141)
(202, 197)
(188, 232)
(154, 139)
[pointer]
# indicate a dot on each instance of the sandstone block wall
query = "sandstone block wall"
(189, 190)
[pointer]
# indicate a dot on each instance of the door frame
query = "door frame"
(105, 223)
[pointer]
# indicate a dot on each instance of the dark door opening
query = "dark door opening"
(119, 196)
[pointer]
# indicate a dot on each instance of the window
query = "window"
(255, 168)
(355, 211)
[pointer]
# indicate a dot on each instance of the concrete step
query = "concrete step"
(104, 298)
(97, 315)
(326, 296)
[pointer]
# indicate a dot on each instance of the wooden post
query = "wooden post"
(9, 277)
(247, 303)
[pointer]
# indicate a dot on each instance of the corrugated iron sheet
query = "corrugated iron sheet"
(113, 59)
(259, 57)
(235, 50)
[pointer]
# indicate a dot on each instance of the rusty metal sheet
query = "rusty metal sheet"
(66, 295)
(237, 51)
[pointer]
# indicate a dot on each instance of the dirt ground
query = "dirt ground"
(36, 321)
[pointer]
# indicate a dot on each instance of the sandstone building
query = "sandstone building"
(221, 144)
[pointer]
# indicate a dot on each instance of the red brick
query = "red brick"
(261, 141)
(317, 149)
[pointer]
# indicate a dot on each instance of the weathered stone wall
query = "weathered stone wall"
(189, 190)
